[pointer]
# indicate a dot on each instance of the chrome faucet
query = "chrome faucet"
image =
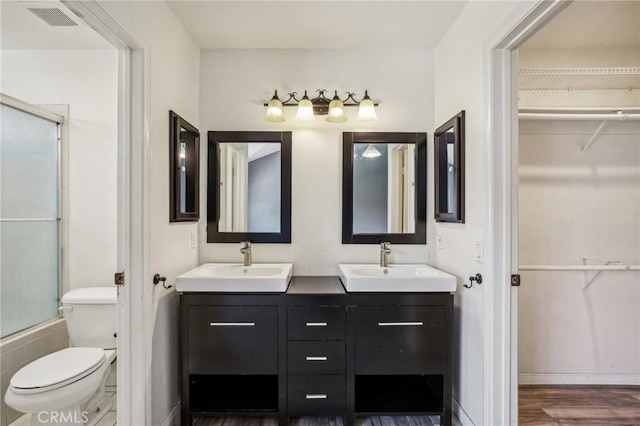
(384, 254)
(246, 251)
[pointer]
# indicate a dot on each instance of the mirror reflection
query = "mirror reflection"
(250, 187)
(187, 172)
(384, 188)
(447, 196)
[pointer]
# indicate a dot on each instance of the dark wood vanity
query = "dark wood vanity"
(316, 350)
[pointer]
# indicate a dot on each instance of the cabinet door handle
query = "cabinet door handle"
(316, 324)
(232, 324)
(316, 358)
(316, 396)
(401, 324)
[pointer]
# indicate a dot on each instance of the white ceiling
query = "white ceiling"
(20, 29)
(591, 24)
(316, 24)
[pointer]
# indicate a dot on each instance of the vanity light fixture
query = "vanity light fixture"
(320, 105)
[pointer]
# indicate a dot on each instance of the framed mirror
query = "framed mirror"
(249, 187)
(449, 170)
(184, 170)
(384, 187)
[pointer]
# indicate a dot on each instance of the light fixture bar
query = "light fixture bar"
(321, 102)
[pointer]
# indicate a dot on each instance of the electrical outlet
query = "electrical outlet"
(440, 241)
(194, 240)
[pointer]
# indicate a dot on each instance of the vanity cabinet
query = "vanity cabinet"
(316, 350)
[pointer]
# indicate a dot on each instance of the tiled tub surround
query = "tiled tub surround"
(19, 350)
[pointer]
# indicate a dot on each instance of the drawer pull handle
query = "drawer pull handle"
(316, 358)
(400, 324)
(316, 396)
(232, 324)
(316, 324)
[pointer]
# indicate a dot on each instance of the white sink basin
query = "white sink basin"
(236, 278)
(395, 278)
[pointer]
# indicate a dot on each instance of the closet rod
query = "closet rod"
(594, 117)
(579, 267)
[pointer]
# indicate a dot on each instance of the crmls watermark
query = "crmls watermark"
(61, 417)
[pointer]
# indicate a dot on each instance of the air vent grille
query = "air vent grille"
(53, 16)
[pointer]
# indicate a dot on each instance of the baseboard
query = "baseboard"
(579, 379)
(462, 415)
(173, 419)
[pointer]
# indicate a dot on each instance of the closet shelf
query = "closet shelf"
(603, 78)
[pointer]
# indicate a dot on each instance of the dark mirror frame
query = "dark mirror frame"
(348, 141)
(193, 169)
(213, 188)
(440, 167)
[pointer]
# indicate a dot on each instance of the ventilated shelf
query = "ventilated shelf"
(604, 78)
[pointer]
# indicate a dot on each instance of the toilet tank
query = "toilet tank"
(91, 316)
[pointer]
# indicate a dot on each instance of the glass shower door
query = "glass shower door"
(29, 220)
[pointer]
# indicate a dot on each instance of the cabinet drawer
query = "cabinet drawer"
(400, 340)
(233, 340)
(315, 323)
(316, 357)
(316, 395)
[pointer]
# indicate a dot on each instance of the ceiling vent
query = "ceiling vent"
(53, 13)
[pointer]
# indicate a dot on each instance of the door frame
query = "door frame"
(135, 299)
(501, 362)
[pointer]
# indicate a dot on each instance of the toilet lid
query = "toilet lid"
(57, 369)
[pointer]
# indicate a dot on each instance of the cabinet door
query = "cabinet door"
(233, 340)
(400, 340)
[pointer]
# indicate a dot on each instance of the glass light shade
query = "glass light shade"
(367, 111)
(305, 110)
(371, 152)
(336, 112)
(275, 113)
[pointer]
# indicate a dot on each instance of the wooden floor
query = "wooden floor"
(315, 421)
(579, 405)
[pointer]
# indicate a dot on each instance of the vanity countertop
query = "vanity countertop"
(316, 285)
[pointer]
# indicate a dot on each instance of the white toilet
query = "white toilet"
(67, 387)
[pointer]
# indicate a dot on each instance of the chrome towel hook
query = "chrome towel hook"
(477, 278)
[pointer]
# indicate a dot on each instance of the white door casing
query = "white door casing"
(501, 351)
(134, 298)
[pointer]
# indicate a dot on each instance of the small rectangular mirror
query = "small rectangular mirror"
(384, 188)
(184, 166)
(449, 170)
(249, 187)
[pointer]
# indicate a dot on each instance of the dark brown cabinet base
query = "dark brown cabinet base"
(316, 351)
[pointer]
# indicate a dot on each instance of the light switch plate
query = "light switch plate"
(439, 240)
(479, 251)
(194, 240)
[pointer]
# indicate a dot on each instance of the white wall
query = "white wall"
(173, 70)
(235, 83)
(575, 205)
(460, 80)
(87, 81)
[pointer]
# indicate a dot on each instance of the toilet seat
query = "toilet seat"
(56, 370)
